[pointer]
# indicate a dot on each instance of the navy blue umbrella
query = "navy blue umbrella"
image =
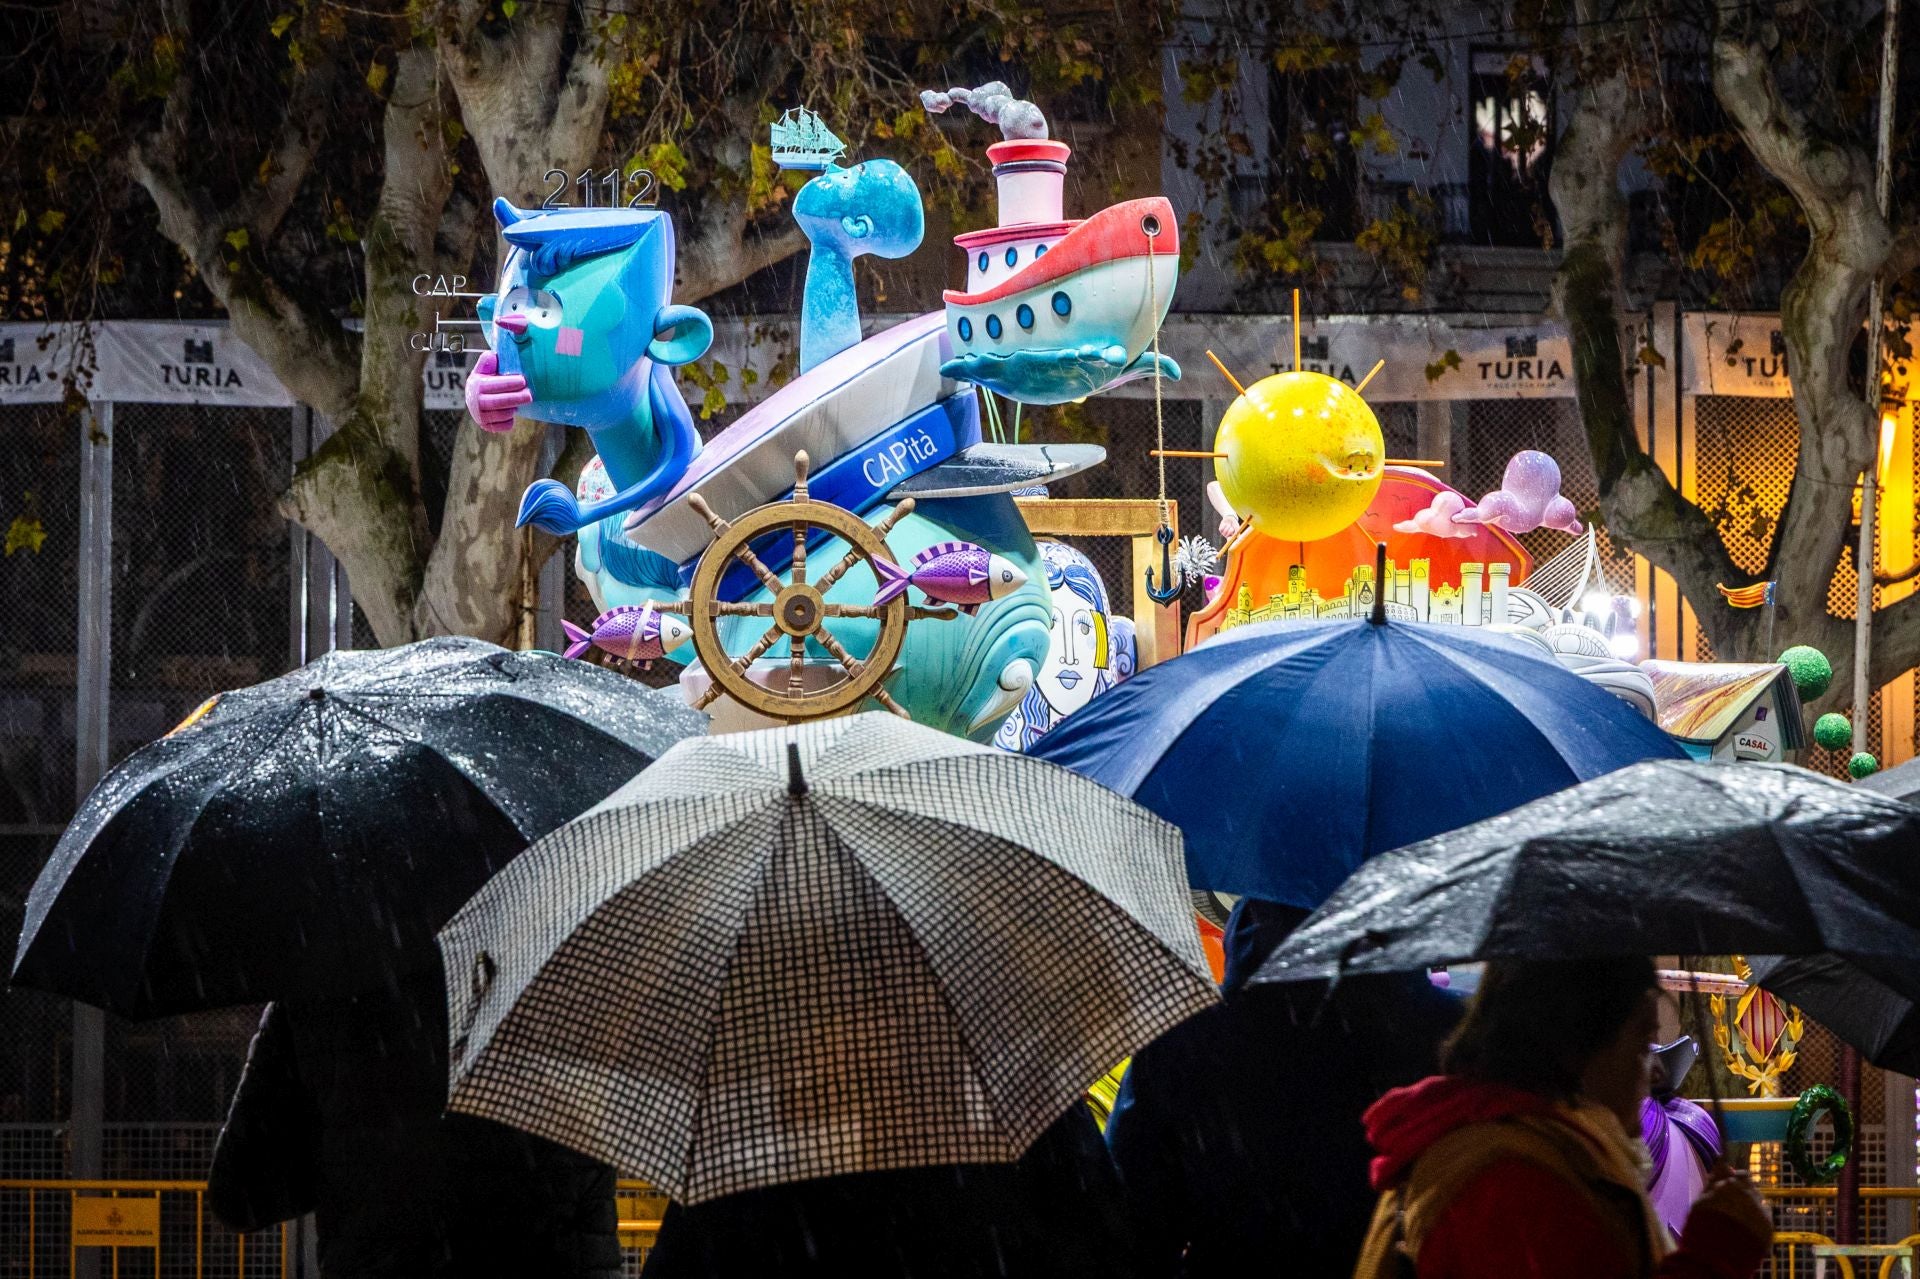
(1290, 752)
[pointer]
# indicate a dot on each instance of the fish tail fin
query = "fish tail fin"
(578, 641)
(893, 580)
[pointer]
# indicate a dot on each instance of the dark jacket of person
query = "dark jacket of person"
(1058, 1213)
(1238, 1133)
(339, 1113)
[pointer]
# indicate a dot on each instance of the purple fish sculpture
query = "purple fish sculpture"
(952, 573)
(631, 632)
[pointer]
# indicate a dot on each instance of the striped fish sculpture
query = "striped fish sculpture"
(631, 632)
(962, 573)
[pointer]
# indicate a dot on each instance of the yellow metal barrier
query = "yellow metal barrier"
(1793, 1241)
(127, 1221)
(1886, 1267)
(640, 1207)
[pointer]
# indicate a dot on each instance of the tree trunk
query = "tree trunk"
(1639, 505)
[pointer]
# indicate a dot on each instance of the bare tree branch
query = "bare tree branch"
(309, 351)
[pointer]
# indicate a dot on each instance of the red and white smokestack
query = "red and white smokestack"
(1031, 174)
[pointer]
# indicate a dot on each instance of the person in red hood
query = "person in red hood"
(1524, 1159)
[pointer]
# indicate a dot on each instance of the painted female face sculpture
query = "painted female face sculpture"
(1089, 652)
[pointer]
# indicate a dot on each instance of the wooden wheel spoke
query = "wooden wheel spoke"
(726, 608)
(797, 648)
(682, 607)
(853, 664)
(885, 698)
(745, 555)
(754, 654)
(799, 575)
(944, 614)
(838, 571)
(853, 610)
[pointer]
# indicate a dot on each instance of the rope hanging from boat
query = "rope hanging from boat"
(1174, 579)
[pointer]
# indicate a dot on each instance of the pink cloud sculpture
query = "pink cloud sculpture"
(1528, 498)
(1437, 519)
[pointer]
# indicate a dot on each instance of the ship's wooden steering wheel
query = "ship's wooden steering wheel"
(799, 610)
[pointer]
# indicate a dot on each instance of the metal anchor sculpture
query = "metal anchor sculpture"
(1175, 582)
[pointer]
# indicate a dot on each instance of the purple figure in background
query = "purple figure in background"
(1528, 498)
(1680, 1136)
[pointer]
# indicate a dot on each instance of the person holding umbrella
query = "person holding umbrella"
(1288, 754)
(1565, 898)
(1239, 1131)
(1524, 1158)
(300, 842)
(837, 990)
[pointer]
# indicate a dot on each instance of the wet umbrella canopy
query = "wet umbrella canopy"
(1658, 859)
(1873, 1015)
(854, 945)
(1290, 752)
(307, 836)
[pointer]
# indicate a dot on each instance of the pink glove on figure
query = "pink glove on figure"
(492, 396)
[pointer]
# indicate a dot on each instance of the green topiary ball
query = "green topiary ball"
(1862, 765)
(1832, 730)
(1812, 672)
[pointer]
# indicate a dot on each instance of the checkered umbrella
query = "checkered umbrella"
(852, 945)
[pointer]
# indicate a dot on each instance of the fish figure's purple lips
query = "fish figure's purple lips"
(1068, 679)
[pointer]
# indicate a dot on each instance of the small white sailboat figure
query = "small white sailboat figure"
(801, 140)
(1055, 309)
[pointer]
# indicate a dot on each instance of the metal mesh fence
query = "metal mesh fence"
(1744, 450)
(201, 570)
(40, 515)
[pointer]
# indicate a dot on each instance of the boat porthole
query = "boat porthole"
(993, 326)
(1062, 304)
(1039, 250)
(966, 329)
(1013, 256)
(1151, 225)
(983, 259)
(1024, 315)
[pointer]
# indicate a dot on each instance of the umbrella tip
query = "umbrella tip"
(796, 784)
(1379, 615)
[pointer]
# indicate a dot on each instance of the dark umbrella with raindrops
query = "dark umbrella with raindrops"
(1665, 857)
(309, 835)
(1880, 1017)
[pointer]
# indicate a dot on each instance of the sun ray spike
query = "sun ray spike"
(1377, 366)
(1232, 380)
(1296, 330)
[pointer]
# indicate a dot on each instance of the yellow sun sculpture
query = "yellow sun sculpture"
(1303, 455)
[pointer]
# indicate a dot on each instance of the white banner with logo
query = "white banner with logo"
(39, 362)
(1730, 354)
(1427, 357)
(156, 362)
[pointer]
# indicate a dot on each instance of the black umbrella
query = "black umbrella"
(309, 835)
(1854, 1004)
(1665, 857)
